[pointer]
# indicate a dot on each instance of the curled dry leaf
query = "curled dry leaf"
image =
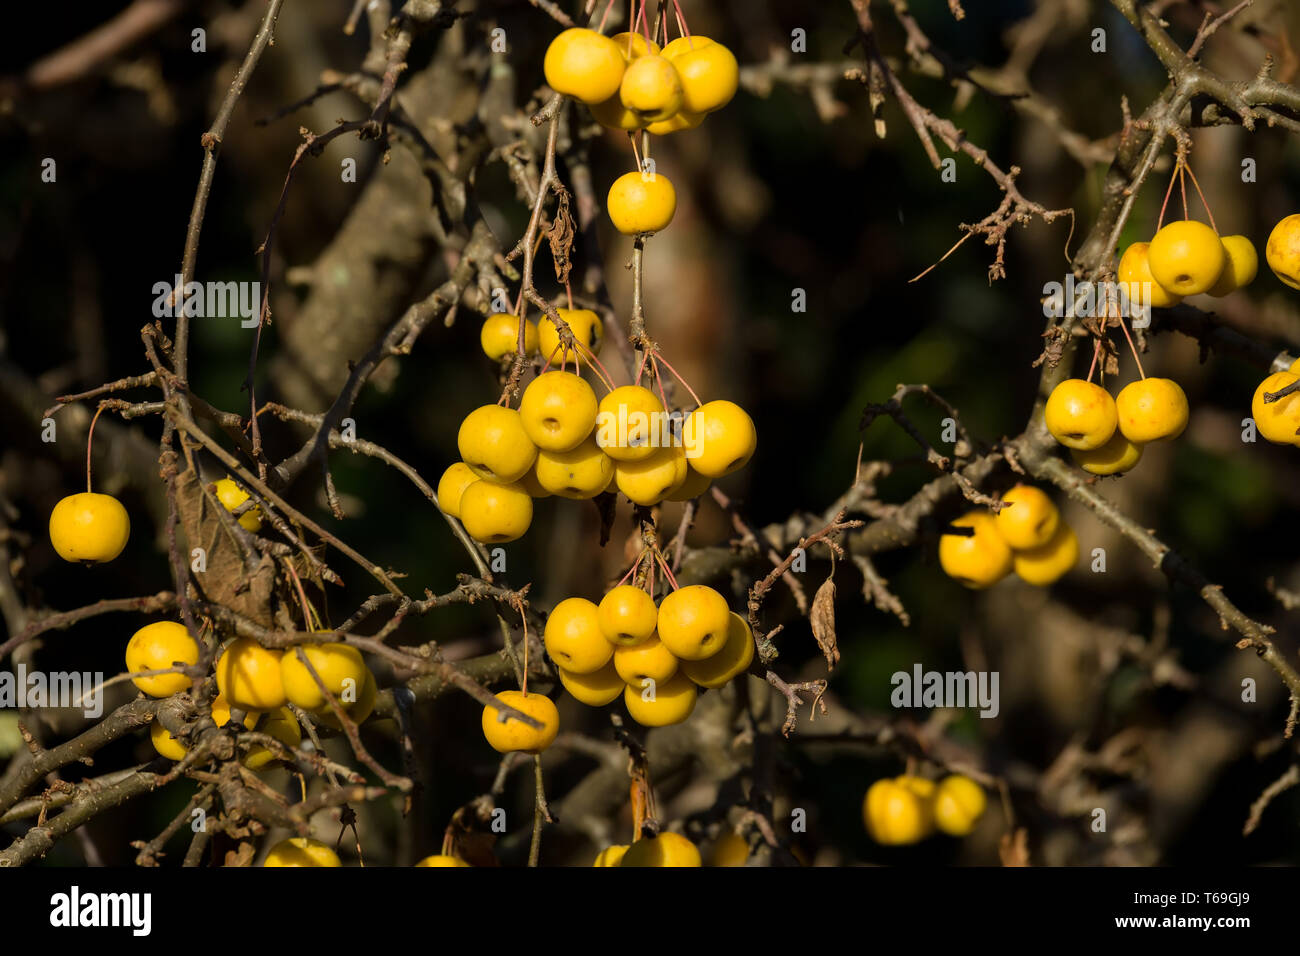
(822, 619)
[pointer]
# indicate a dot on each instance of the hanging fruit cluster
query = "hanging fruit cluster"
(907, 809)
(1028, 536)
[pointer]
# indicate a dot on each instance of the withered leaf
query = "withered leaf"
(822, 619)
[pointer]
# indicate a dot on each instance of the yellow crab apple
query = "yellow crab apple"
(494, 443)
(1028, 517)
(302, 851)
(1080, 414)
(496, 513)
(666, 849)
(1047, 563)
(667, 702)
(640, 203)
(1113, 458)
(727, 664)
(694, 622)
(1151, 409)
(627, 615)
(595, 689)
(584, 64)
(1187, 257)
(978, 560)
(1282, 252)
(574, 639)
(156, 647)
(511, 734)
(89, 527)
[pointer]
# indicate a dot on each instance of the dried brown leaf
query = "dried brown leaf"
(822, 619)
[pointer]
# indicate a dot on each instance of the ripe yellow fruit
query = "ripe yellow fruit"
(666, 849)
(1113, 458)
(612, 114)
(579, 473)
(339, 666)
(499, 335)
(729, 850)
(158, 646)
(641, 203)
(301, 851)
(1135, 269)
(676, 123)
(667, 702)
(631, 423)
(89, 527)
(1029, 518)
(611, 855)
(730, 662)
(512, 734)
(627, 615)
(690, 487)
(1242, 267)
(495, 513)
(574, 639)
(595, 689)
(1043, 565)
(584, 324)
(584, 64)
(694, 622)
(1295, 367)
(534, 487)
(1277, 421)
(1151, 409)
(494, 443)
(633, 45)
(248, 676)
(719, 437)
(357, 710)
(709, 71)
(452, 485)
(221, 714)
(649, 661)
(920, 786)
(895, 815)
(1080, 414)
(651, 88)
(163, 742)
(558, 410)
(959, 802)
(283, 726)
(649, 481)
(979, 560)
(231, 495)
(440, 859)
(1283, 250)
(1187, 257)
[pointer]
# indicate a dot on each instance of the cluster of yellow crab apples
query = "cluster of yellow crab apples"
(1106, 435)
(1027, 536)
(1188, 257)
(908, 809)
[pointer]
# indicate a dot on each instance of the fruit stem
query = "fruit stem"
(1164, 205)
(668, 572)
(659, 380)
(1182, 186)
(602, 372)
(90, 434)
(1096, 351)
(568, 293)
(605, 16)
(681, 24)
(1208, 214)
(680, 379)
(635, 564)
(645, 23)
(636, 151)
(1132, 347)
(523, 617)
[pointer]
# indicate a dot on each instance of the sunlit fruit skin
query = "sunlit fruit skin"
(1282, 250)
(579, 473)
(959, 802)
(1295, 367)
(1028, 517)
(1048, 563)
(671, 703)
(494, 513)
(979, 560)
(641, 203)
(666, 849)
(612, 114)
(221, 714)
(248, 676)
(595, 689)
(1135, 268)
(558, 410)
(335, 663)
(1080, 414)
(1187, 257)
(283, 726)
(1277, 421)
(1113, 458)
(650, 660)
(676, 123)
(514, 735)
(357, 710)
(231, 495)
(499, 335)
(574, 639)
(729, 850)
(694, 622)
(633, 45)
(494, 443)
(587, 329)
(155, 647)
(441, 859)
(163, 742)
(894, 815)
(89, 527)
(1242, 267)
(302, 851)
(727, 664)
(651, 88)
(627, 615)
(719, 437)
(710, 74)
(921, 786)
(1151, 409)
(649, 481)
(630, 423)
(690, 487)
(584, 64)
(611, 855)
(452, 485)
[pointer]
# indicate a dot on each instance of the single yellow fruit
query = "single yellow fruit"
(452, 485)
(1029, 517)
(1283, 250)
(587, 330)
(512, 734)
(595, 689)
(339, 666)
(651, 88)
(1277, 421)
(1045, 564)
(694, 622)
(89, 527)
(441, 859)
(221, 714)
(730, 662)
(579, 473)
(959, 802)
(895, 815)
(499, 335)
(1242, 267)
(627, 615)
(632, 424)
(611, 855)
(574, 639)
(558, 410)
(666, 849)
(1151, 409)
(675, 124)
(1113, 458)
(495, 513)
(979, 560)
(1080, 414)
(1135, 272)
(641, 203)
(633, 45)
(283, 726)
(248, 676)
(584, 64)
(357, 710)
(709, 71)
(664, 703)
(158, 646)
(301, 851)
(494, 443)
(648, 482)
(729, 850)
(163, 742)
(1187, 257)
(534, 487)
(231, 495)
(612, 114)
(649, 661)
(690, 487)
(719, 437)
